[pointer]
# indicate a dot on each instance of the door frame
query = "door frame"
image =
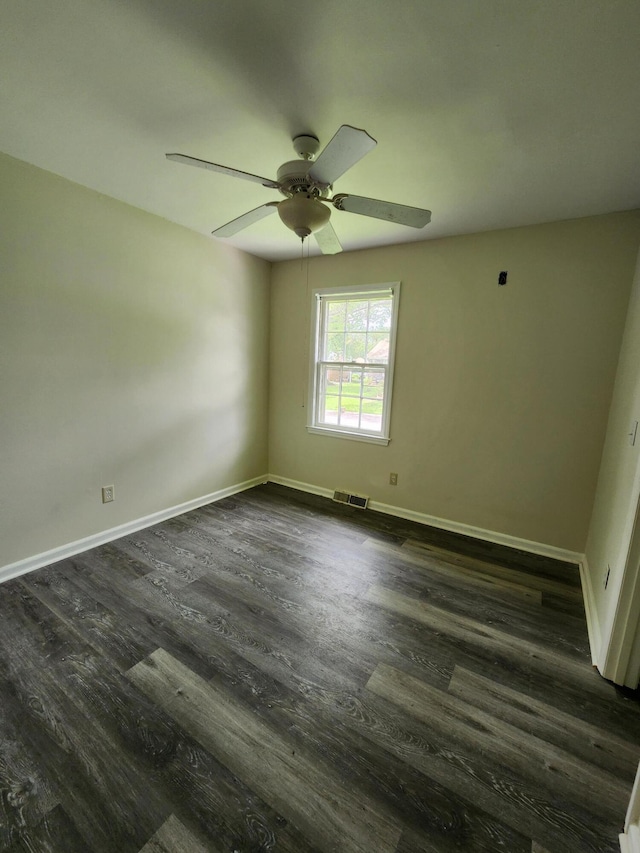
(619, 658)
(630, 839)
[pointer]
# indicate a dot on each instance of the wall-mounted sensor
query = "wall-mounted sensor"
(502, 277)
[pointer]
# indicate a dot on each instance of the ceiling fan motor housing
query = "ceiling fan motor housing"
(293, 177)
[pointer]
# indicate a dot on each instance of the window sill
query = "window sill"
(351, 436)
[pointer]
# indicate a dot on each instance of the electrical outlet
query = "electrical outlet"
(393, 479)
(108, 494)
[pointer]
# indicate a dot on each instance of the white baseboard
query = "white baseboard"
(630, 841)
(591, 612)
(14, 570)
(299, 486)
(444, 524)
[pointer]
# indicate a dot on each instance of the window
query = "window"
(352, 361)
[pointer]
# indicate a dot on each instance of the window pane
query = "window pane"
(352, 383)
(355, 346)
(330, 408)
(373, 399)
(378, 347)
(332, 378)
(380, 315)
(373, 386)
(336, 313)
(334, 346)
(357, 315)
(375, 375)
(344, 374)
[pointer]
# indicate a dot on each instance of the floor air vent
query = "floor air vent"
(353, 500)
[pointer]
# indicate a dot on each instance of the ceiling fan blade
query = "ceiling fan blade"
(327, 240)
(416, 217)
(341, 153)
(246, 219)
(225, 170)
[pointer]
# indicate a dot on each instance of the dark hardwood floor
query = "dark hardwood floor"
(279, 672)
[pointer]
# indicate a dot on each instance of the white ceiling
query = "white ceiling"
(492, 114)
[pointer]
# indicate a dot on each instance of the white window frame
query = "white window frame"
(315, 367)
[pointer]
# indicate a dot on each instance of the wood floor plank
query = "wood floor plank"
(346, 727)
(55, 833)
(25, 793)
(322, 716)
(495, 583)
(543, 763)
(288, 561)
(318, 715)
(299, 786)
(473, 776)
(528, 619)
(412, 842)
(225, 809)
(326, 721)
(174, 837)
(397, 530)
(561, 604)
(281, 563)
(590, 743)
(327, 616)
(309, 605)
(477, 633)
(103, 628)
(557, 586)
(50, 678)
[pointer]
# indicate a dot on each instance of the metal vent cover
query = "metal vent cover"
(350, 498)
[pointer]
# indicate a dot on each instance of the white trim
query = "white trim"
(630, 841)
(22, 567)
(352, 436)
(591, 612)
(619, 660)
(632, 676)
(345, 292)
(444, 524)
(299, 486)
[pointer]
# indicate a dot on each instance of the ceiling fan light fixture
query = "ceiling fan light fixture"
(303, 214)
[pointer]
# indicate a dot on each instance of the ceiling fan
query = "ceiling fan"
(307, 184)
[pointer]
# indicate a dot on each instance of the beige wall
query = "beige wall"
(132, 352)
(501, 394)
(617, 493)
